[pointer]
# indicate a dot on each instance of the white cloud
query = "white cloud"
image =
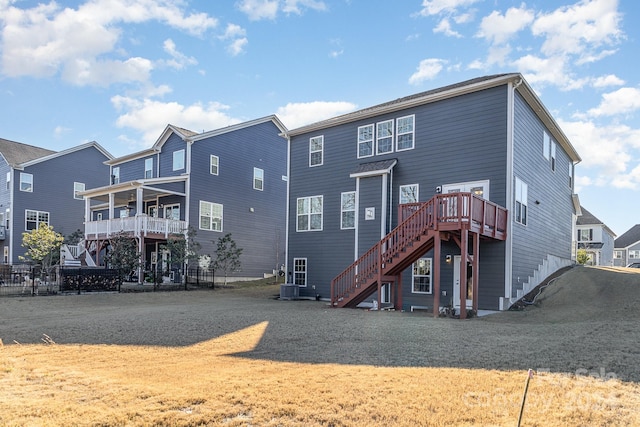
(293, 6)
(47, 39)
(150, 117)
(179, 60)
(622, 101)
(238, 38)
(436, 7)
(294, 115)
(498, 28)
(59, 131)
(427, 70)
(444, 27)
(608, 80)
(257, 10)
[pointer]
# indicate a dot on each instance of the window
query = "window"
(384, 137)
(365, 141)
(8, 180)
(172, 212)
(570, 175)
(124, 213)
(617, 254)
(585, 235)
(214, 164)
(210, 216)
(77, 187)
(148, 168)
(5, 252)
(634, 254)
(348, 210)
(521, 202)
(115, 175)
(258, 179)
(553, 155)
(300, 271)
(309, 214)
(178, 160)
(316, 146)
(409, 193)
(546, 145)
(422, 276)
(26, 182)
(33, 219)
(405, 137)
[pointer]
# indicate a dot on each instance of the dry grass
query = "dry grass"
(205, 384)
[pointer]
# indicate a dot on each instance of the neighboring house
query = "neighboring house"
(229, 180)
(479, 165)
(42, 186)
(626, 248)
(595, 237)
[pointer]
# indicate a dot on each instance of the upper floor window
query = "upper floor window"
(148, 168)
(553, 155)
(570, 175)
(210, 216)
(309, 213)
(316, 148)
(585, 235)
(409, 193)
(365, 141)
(214, 164)
(546, 145)
(258, 179)
(521, 202)
(384, 137)
(26, 182)
(178, 160)
(172, 211)
(8, 180)
(78, 187)
(422, 276)
(115, 175)
(405, 134)
(348, 210)
(33, 219)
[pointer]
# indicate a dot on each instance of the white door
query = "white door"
(479, 188)
(456, 283)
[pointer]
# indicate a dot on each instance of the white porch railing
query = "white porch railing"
(138, 225)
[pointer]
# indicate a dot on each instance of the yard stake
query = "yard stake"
(524, 396)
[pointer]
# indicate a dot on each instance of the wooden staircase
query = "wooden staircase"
(443, 216)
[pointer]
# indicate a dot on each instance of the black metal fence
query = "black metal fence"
(26, 280)
(201, 277)
(89, 280)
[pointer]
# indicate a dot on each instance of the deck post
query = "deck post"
(476, 270)
(436, 273)
(398, 296)
(464, 249)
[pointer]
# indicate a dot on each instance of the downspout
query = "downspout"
(288, 204)
(11, 215)
(357, 222)
(508, 265)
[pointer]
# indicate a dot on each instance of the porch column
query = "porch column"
(464, 248)
(476, 270)
(139, 205)
(436, 273)
(87, 211)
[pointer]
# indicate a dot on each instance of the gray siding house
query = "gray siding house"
(229, 180)
(627, 247)
(43, 186)
(595, 237)
(464, 192)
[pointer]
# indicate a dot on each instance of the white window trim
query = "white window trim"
(170, 207)
(26, 211)
(308, 214)
(212, 165)
(211, 217)
(372, 140)
(378, 138)
(417, 186)
(343, 210)
(413, 133)
(8, 180)
(148, 170)
(634, 253)
(76, 189)
(178, 167)
(23, 176)
(523, 203)
(430, 276)
(321, 150)
(546, 144)
(258, 176)
(303, 272)
(553, 155)
(115, 172)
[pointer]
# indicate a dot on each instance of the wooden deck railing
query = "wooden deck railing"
(454, 211)
(137, 225)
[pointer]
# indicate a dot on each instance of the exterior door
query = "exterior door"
(456, 283)
(479, 188)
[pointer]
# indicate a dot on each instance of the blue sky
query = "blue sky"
(118, 71)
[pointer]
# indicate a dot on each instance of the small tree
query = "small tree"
(182, 248)
(227, 257)
(43, 247)
(123, 254)
(582, 257)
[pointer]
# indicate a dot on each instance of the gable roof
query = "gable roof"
(68, 151)
(628, 238)
(468, 86)
(16, 153)
(587, 218)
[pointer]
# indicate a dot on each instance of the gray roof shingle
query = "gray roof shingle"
(587, 218)
(629, 237)
(17, 153)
